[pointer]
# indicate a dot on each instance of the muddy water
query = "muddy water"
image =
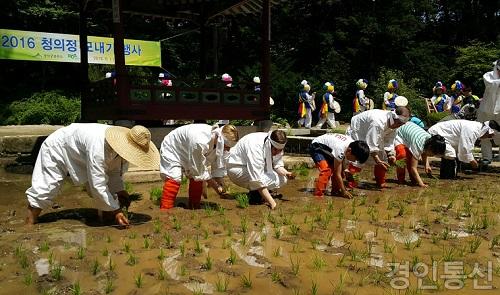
(306, 246)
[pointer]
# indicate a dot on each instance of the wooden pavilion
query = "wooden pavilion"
(122, 99)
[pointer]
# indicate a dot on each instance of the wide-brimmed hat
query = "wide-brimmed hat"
(134, 145)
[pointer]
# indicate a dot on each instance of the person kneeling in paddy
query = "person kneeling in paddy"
(255, 163)
(412, 143)
(197, 150)
(95, 155)
(330, 153)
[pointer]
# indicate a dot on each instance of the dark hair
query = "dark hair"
(279, 136)
(436, 144)
(360, 150)
(401, 111)
(494, 125)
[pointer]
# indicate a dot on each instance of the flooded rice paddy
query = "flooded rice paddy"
(444, 239)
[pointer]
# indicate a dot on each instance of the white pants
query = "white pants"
(307, 120)
(239, 175)
(48, 175)
(486, 146)
(329, 118)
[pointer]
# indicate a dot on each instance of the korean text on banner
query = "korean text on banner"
(40, 46)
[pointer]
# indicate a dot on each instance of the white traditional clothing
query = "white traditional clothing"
(338, 143)
(460, 136)
(372, 126)
(489, 108)
(81, 151)
(192, 150)
(251, 165)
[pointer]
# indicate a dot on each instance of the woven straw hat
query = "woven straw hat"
(134, 145)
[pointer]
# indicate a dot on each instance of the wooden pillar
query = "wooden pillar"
(84, 63)
(265, 87)
(122, 81)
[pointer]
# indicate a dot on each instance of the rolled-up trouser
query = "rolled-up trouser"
(325, 173)
(171, 188)
(402, 152)
(486, 145)
(239, 175)
(48, 175)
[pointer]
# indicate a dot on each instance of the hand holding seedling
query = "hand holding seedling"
(392, 160)
(291, 175)
(121, 219)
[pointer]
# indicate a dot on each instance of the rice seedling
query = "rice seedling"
(183, 271)
(182, 249)
(95, 267)
(167, 238)
(301, 170)
(198, 249)
(275, 276)
(146, 243)
(126, 247)
(28, 279)
(23, 260)
(221, 284)
(226, 243)
(232, 257)
(111, 265)
(294, 229)
(132, 235)
(358, 235)
(244, 239)
(157, 226)
(329, 205)
(161, 274)
(341, 261)
(495, 241)
(244, 224)
(339, 288)
(296, 248)
(132, 259)
(176, 224)
(277, 252)
(295, 265)
(448, 254)
(209, 211)
(277, 232)
(318, 262)
(485, 222)
(155, 195)
(75, 289)
(109, 286)
(161, 255)
(105, 252)
(314, 288)
(229, 229)
(208, 263)
(263, 236)
(206, 233)
(108, 239)
(139, 280)
(246, 281)
(446, 234)
(56, 271)
(314, 244)
(408, 243)
(44, 247)
(473, 244)
(81, 253)
(242, 200)
(435, 238)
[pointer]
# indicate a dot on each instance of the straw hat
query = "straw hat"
(134, 145)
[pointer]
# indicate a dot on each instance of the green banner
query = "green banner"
(40, 46)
